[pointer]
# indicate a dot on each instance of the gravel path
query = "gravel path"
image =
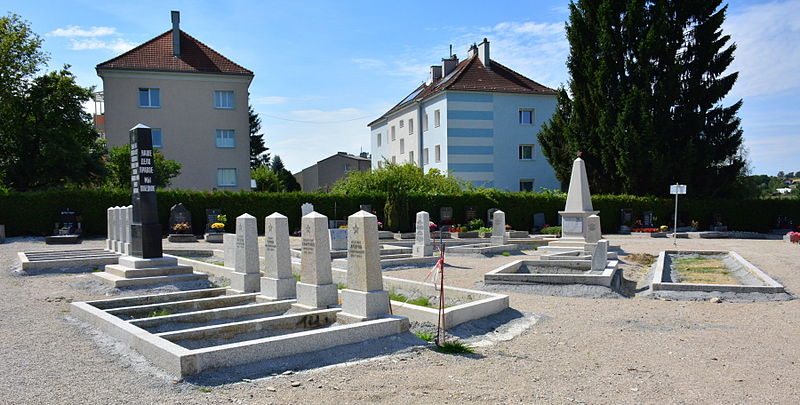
(579, 350)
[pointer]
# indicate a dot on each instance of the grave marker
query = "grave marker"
(499, 236)
(246, 277)
(279, 283)
(145, 229)
(315, 290)
(364, 297)
(422, 239)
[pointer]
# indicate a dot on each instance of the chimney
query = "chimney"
(449, 64)
(176, 33)
(436, 74)
(483, 52)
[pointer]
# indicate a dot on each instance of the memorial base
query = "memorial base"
(215, 237)
(137, 272)
(421, 250)
(316, 296)
(181, 238)
(359, 306)
(63, 240)
(243, 283)
(278, 288)
(498, 240)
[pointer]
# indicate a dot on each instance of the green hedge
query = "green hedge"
(34, 213)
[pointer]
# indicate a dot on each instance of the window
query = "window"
(525, 152)
(379, 139)
(149, 98)
(425, 123)
(526, 116)
(393, 133)
(411, 156)
(437, 118)
(401, 123)
(158, 142)
(526, 184)
(223, 99)
(394, 160)
(402, 146)
(226, 177)
(425, 156)
(437, 153)
(226, 138)
(410, 126)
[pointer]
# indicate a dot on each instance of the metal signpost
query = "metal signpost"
(676, 189)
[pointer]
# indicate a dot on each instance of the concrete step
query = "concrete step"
(120, 282)
(187, 305)
(175, 321)
(128, 272)
(159, 298)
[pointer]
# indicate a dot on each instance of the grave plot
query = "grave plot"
(710, 271)
(498, 242)
(47, 259)
(188, 332)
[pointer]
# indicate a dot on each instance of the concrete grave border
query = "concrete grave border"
(770, 285)
(507, 274)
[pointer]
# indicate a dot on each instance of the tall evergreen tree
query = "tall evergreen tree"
(257, 148)
(646, 82)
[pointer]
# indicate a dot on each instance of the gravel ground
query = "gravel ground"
(556, 350)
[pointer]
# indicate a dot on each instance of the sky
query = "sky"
(324, 69)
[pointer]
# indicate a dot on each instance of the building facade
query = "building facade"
(327, 171)
(194, 99)
(476, 119)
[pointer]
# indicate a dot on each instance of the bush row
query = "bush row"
(34, 213)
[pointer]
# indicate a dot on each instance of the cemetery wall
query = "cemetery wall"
(34, 213)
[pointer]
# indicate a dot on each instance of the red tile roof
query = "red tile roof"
(156, 54)
(471, 75)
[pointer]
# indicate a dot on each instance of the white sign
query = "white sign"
(677, 189)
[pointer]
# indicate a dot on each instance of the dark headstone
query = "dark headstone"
(446, 214)
(145, 229)
(180, 219)
(365, 207)
(626, 216)
(211, 217)
(469, 213)
(68, 223)
(490, 216)
(647, 219)
(538, 220)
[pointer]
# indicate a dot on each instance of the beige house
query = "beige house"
(327, 171)
(196, 101)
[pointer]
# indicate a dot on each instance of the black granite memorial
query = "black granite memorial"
(180, 224)
(214, 233)
(67, 230)
(145, 229)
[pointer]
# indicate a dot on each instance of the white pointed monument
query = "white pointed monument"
(278, 284)
(579, 204)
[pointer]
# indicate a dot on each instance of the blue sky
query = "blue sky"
(324, 69)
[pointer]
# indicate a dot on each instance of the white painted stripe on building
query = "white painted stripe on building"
(470, 159)
(472, 176)
(486, 124)
(460, 141)
(469, 106)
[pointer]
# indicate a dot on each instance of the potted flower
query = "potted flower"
(181, 228)
(216, 230)
(217, 227)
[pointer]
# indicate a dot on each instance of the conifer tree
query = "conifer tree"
(646, 83)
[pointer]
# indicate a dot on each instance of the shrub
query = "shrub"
(553, 230)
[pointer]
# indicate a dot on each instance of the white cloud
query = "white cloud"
(767, 54)
(269, 100)
(118, 45)
(77, 31)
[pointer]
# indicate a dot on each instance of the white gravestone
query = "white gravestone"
(498, 228)
(364, 297)
(279, 284)
(422, 239)
(229, 249)
(315, 290)
(593, 233)
(246, 276)
(338, 239)
(126, 233)
(110, 228)
(600, 255)
(306, 209)
(118, 229)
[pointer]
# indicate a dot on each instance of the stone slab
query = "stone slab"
(316, 296)
(360, 306)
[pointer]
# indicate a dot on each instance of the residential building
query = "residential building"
(327, 171)
(476, 119)
(194, 99)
